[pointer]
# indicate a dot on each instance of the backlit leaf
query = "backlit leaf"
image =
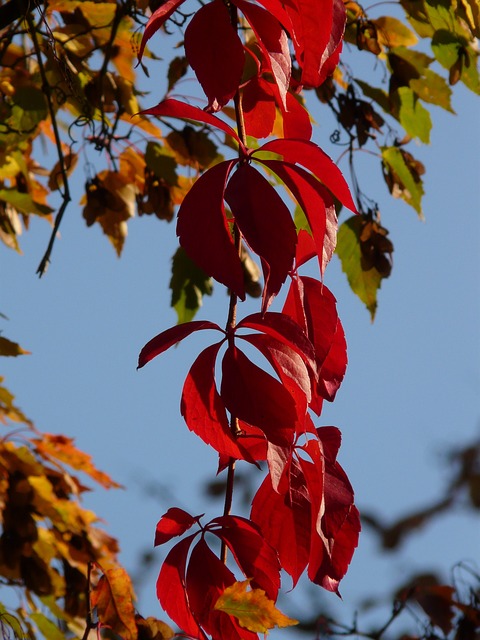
(188, 285)
(392, 32)
(316, 203)
(403, 176)
(215, 53)
(266, 224)
(253, 609)
(157, 20)
(363, 282)
(171, 108)
(173, 523)
(23, 202)
(252, 553)
(59, 447)
(113, 599)
(414, 118)
(48, 628)
(310, 156)
(171, 590)
(204, 232)
(171, 336)
(203, 410)
(254, 396)
(152, 629)
(272, 40)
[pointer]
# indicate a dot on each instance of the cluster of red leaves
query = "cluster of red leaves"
(303, 516)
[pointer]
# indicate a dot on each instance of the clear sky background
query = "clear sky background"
(411, 392)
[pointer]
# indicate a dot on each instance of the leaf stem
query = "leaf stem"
(232, 310)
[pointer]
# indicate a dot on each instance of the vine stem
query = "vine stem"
(232, 310)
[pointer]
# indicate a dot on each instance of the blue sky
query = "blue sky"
(411, 390)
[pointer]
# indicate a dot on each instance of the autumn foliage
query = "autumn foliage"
(275, 200)
(303, 515)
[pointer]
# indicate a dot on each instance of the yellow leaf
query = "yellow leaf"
(61, 448)
(113, 599)
(253, 610)
(393, 33)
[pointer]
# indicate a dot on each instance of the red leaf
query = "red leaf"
(157, 20)
(320, 313)
(254, 396)
(273, 42)
(317, 30)
(171, 589)
(206, 579)
(258, 107)
(171, 336)
(278, 459)
(282, 327)
(255, 557)
(327, 569)
(204, 232)
(333, 368)
(171, 108)
(203, 409)
(315, 160)
(331, 439)
(296, 119)
(277, 9)
(316, 202)
(285, 521)
(306, 249)
(215, 53)
(288, 366)
(173, 523)
(266, 224)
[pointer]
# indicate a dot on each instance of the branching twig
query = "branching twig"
(61, 158)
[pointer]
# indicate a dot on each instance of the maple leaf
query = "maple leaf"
(253, 609)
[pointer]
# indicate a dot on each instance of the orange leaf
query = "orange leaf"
(113, 599)
(62, 448)
(253, 610)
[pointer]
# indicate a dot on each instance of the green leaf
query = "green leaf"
(23, 202)
(453, 50)
(364, 283)
(413, 117)
(392, 32)
(188, 284)
(47, 627)
(177, 68)
(420, 61)
(402, 174)
(418, 17)
(11, 621)
(29, 108)
(161, 162)
(434, 89)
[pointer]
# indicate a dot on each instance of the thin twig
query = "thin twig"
(61, 158)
